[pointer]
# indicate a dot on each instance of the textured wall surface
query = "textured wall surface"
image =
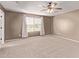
(13, 25)
(47, 24)
(67, 25)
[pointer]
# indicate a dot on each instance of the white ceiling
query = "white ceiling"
(34, 7)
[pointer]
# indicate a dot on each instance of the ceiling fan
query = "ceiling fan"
(51, 7)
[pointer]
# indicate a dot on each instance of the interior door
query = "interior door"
(1, 26)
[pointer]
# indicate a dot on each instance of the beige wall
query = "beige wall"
(13, 25)
(67, 25)
(35, 33)
(47, 24)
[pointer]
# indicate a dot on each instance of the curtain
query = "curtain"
(24, 29)
(24, 25)
(42, 31)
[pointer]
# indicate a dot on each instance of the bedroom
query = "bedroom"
(39, 29)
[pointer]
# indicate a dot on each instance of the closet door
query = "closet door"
(1, 27)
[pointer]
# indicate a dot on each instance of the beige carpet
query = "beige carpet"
(40, 47)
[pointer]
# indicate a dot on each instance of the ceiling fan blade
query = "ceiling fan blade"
(58, 8)
(44, 6)
(55, 3)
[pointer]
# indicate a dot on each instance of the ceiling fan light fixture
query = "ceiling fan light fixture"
(51, 7)
(50, 10)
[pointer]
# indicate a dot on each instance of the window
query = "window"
(33, 23)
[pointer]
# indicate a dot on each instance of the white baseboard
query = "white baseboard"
(67, 38)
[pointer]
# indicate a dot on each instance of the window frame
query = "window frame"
(33, 18)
